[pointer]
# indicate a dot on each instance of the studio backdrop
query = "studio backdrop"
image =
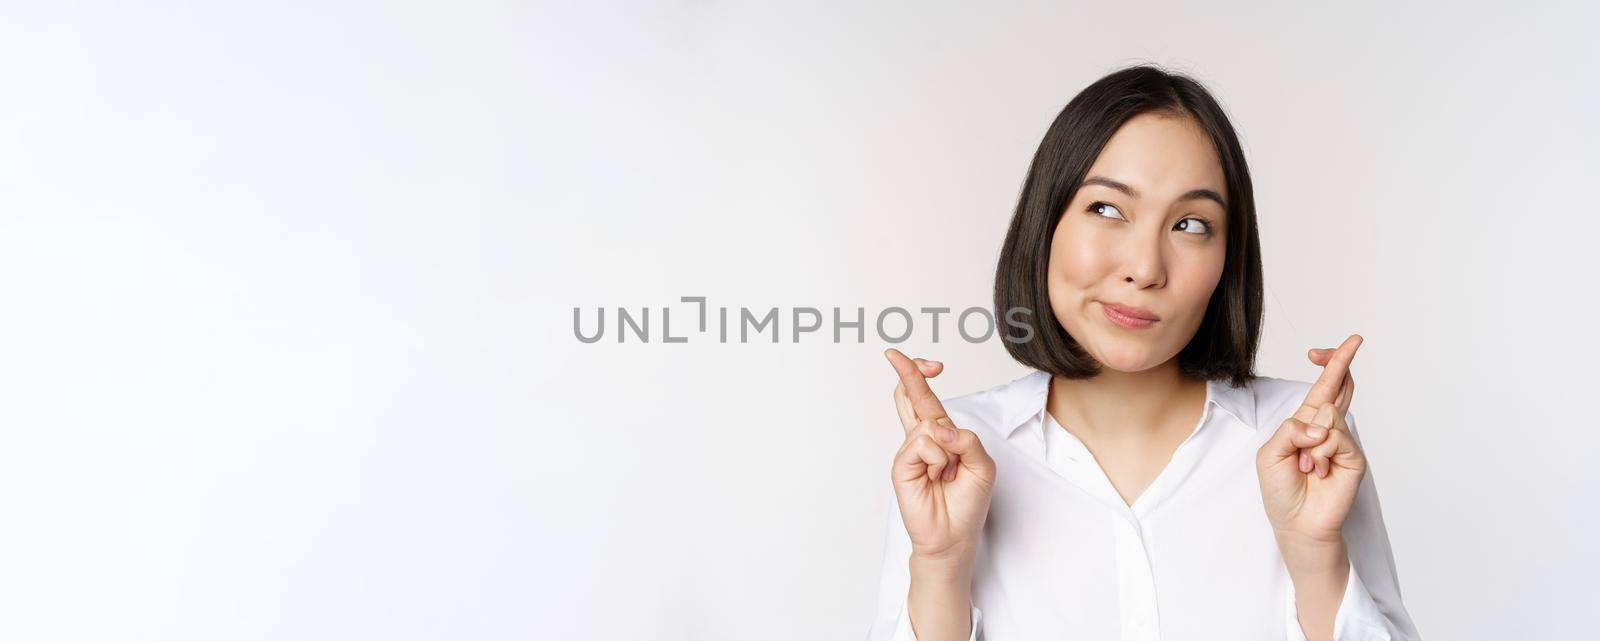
(498, 320)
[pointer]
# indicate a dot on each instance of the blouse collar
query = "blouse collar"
(1024, 398)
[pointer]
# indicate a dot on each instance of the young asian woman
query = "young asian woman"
(1142, 482)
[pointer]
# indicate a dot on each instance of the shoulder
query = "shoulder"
(1278, 398)
(1001, 406)
(1274, 394)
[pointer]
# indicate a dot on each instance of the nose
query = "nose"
(1146, 264)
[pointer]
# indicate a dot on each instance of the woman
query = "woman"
(1142, 482)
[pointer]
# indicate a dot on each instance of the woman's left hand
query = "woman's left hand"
(1311, 467)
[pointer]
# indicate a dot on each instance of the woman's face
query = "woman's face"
(1142, 231)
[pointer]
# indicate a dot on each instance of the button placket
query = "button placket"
(1136, 590)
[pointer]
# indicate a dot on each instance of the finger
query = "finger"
(1327, 386)
(1335, 450)
(946, 437)
(1320, 454)
(1347, 391)
(1293, 435)
(967, 445)
(902, 403)
(965, 450)
(946, 434)
(902, 407)
(943, 434)
(1324, 416)
(923, 401)
(1339, 423)
(908, 462)
(922, 458)
(1326, 389)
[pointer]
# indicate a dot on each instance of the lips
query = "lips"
(1135, 313)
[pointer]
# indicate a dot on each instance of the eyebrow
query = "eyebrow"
(1192, 194)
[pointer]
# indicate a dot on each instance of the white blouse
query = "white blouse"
(1063, 557)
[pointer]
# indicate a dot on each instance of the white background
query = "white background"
(286, 342)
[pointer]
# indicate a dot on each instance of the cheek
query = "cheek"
(1079, 260)
(1077, 257)
(1195, 281)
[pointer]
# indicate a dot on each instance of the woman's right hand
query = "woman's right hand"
(943, 478)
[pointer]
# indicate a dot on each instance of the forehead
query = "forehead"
(1162, 156)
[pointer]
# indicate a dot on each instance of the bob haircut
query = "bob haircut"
(1224, 347)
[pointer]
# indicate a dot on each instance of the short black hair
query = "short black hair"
(1224, 347)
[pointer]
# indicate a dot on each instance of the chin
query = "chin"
(1122, 356)
(1129, 367)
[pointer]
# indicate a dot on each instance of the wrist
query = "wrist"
(952, 567)
(939, 600)
(1314, 556)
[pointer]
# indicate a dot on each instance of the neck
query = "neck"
(1142, 402)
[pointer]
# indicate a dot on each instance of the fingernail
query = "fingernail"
(947, 435)
(1305, 462)
(1316, 431)
(933, 363)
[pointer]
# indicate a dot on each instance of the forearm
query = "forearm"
(940, 599)
(1320, 571)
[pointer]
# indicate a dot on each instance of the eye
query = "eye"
(1205, 227)
(1100, 207)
